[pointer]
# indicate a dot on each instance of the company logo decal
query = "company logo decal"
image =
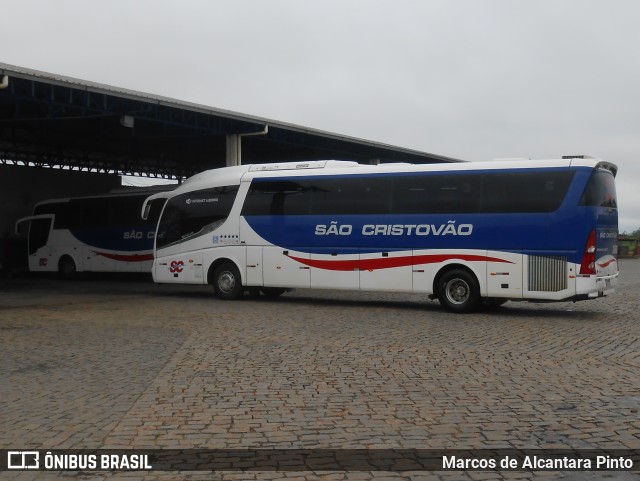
(176, 267)
(606, 261)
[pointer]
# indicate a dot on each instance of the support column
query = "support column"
(234, 150)
(234, 146)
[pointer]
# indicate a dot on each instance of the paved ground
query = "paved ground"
(125, 363)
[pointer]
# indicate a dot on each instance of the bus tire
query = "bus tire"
(458, 290)
(227, 282)
(67, 268)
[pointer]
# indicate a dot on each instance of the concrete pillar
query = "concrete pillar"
(234, 150)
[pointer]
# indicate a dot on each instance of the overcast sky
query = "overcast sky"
(471, 79)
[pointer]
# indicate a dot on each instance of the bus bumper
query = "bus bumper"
(592, 287)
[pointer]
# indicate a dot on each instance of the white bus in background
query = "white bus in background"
(467, 234)
(92, 234)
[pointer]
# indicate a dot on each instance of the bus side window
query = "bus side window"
(275, 197)
(524, 191)
(289, 198)
(436, 194)
(125, 211)
(351, 195)
(600, 191)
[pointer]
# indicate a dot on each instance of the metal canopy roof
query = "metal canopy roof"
(55, 121)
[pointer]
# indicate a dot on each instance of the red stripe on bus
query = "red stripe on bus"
(391, 262)
(126, 258)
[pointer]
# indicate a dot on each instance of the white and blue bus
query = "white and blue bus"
(467, 234)
(92, 234)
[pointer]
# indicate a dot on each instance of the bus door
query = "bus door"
(40, 252)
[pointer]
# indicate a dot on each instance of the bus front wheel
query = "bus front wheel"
(67, 268)
(458, 291)
(227, 282)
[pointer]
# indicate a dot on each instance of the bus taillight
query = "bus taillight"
(588, 266)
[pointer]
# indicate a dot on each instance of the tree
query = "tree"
(635, 234)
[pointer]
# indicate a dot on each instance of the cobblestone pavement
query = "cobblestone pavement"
(123, 363)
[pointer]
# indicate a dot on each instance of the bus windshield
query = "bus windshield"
(194, 214)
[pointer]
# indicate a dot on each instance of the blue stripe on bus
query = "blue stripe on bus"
(560, 233)
(125, 238)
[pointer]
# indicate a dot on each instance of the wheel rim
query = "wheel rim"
(226, 281)
(457, 291)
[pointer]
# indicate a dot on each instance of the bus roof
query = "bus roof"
(114, 193)
(245, 173)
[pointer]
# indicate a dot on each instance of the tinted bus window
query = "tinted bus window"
(195, 213)
(526, 192)
(66, 215)
(83, 213)
(125, 211)
(277, 198)
(351, 195)
(345, 195)
(600, 191)
(436, 194)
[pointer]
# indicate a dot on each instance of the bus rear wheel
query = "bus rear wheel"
(227, 283)
(458, 291)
